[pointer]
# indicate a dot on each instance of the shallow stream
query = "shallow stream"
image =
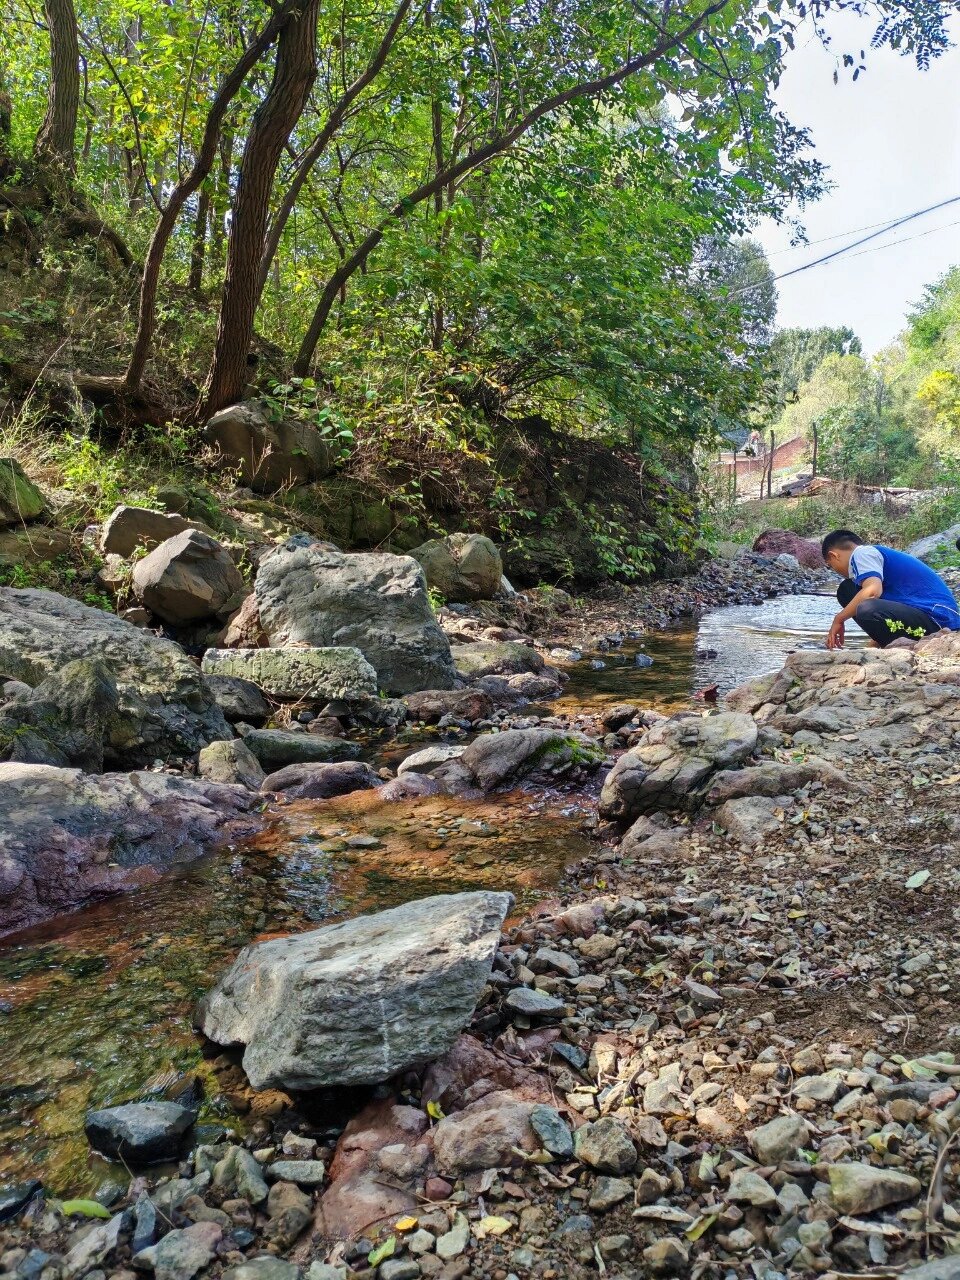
(101, 1000)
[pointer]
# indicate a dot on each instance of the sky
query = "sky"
(892, 144)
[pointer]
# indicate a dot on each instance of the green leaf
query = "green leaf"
(382, 1251)
(917, 880)
(88, 1208)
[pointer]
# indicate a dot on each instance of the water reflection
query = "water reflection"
(729, 646)
(102, 999)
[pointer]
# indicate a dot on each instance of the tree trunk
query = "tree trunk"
(294, 72)
(221, 202)
(316, 149)
(56, 138)
(229, 88)
(198, 248)
(6, 118)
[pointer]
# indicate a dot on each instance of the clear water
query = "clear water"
(727, 647)
(102, 999)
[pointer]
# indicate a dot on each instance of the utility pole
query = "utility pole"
(816, 449)
(773, 447)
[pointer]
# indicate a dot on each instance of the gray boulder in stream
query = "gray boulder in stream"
(374, 602)
(161, 705)
(674, 763)
(357, 1003)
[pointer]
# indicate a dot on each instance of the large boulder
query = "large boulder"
(497, 758)
(165, 706)
(374, 602)
(275, 748)
(231, 762)
(73, 717)
(186, 578)
(127, 528)
(239, 699)
(324, 674)
(358, 1002)
(775, 542)
(321, 781)
(674, 763)
(462, 567)
(432, 705)
(495, 658)
(140, 1132)
(20, 499)
(67, 838)
(928, 548)
(268, 454)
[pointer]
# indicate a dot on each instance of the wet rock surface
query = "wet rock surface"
(67, 838)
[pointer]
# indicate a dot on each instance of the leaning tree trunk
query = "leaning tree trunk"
(198, 247)
(295, 70)
(6, 121)
(55, 140)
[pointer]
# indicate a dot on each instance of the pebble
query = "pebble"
(453, 1242)
(607, 1192)
(534, 1004)
(862, 1188)
(550, 1128)
(306, 1173)
(606, 1146)
(780, 1139)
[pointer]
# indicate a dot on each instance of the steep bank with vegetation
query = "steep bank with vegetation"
(480, 260)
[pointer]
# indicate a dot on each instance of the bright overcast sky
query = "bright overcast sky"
(892, 144)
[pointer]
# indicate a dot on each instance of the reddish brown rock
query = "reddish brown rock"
(486, 1135)
(358, 1197)
(243, 628)
(432, 705)
(469, 1072)
(774, 542)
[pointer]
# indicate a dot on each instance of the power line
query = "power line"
(839, 235)
(899, 222)
(906, 239)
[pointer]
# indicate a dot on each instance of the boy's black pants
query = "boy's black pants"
(885, 620)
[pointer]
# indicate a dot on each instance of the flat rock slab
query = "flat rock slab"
(140, 1132)
(358, 1002)
(67, 838)
(324, 673)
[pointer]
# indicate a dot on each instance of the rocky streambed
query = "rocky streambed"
(716, 1037)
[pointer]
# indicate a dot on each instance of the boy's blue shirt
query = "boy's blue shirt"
(906, 580)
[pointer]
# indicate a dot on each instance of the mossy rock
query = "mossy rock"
(20, 499)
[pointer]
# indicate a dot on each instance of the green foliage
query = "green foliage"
(795, 354)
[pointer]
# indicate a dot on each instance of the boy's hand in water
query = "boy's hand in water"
(835, 634)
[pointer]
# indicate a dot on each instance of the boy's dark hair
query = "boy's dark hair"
(839, 538)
